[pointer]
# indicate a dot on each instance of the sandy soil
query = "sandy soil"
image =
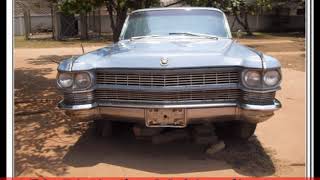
(48, 143)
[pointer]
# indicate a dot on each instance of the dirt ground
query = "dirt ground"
(48, 143)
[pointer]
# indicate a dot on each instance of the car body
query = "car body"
(172, 67)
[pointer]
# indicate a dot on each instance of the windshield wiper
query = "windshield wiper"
(194, 34)
(141, 37)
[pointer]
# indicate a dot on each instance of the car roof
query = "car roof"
(176, 8)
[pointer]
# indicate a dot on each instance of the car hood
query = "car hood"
(181, 53)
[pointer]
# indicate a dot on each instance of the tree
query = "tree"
(241, 9)
(118, 9)
(238, 8)
(280, 4)
(81, 7)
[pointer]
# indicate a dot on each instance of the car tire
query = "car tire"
(103, 128)
(235, 129)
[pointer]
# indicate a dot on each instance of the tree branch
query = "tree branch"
(237, 18)
(177, 2)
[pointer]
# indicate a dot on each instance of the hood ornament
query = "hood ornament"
(164, 61)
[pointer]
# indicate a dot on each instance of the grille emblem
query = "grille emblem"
(164, 61)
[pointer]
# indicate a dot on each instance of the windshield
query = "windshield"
(176, 22)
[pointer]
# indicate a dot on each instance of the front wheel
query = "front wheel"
(237, 129)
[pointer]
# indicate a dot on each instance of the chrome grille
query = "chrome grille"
(141, 86)
(78, 98)
(227, 95)
(124, 95)
(258, 98)
(165, 79)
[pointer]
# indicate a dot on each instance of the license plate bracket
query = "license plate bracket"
(165, 117)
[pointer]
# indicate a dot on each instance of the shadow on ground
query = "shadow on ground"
(48, 59)
(246, 158)
(43, 133)
(275, 35)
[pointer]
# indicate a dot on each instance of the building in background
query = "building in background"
(40, 12)
(290, 17)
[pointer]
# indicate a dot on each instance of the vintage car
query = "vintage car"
(172, 67)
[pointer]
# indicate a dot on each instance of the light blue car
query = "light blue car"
(172, 67)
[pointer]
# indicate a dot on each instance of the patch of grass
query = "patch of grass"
(20, 42)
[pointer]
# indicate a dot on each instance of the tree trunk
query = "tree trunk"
(94, 21)
(246, 27)
(174, 3)
(52, 21)
(99, 22)
(109, 5)
(27, 24)
(244, 24)
(234, 20)
(83, 26)
(121, 15)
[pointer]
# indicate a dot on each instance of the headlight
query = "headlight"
(252, 79)
(65, 80)
(271, 78)
(82, 80)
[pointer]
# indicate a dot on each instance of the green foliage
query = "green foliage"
(119, 8)
(284, 3)
(247, 6)
(133, 4)
(78, 6)
(239, 8)
(233, 6)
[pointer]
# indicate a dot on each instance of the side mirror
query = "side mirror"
(239, 33)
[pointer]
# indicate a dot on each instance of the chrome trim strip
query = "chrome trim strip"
(176, 8)
(272, 107)
(260, 54)
(205, 105)
(172, 70)
(178, 88)
(61, 105)
(147, 103)
(275, 106)
(169, 88)
(259, 91)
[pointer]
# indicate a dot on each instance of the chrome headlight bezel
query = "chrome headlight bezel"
(85, 79)
(246, 77)
(261, 85)
(60, 77)
(278, 74)
(75, 86)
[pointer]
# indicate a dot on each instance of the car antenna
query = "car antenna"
(82, 48)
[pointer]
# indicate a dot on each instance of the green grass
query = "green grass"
(20, 42)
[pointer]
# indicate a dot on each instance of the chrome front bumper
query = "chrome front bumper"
(195, 113)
